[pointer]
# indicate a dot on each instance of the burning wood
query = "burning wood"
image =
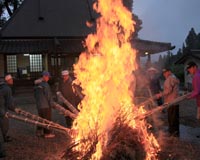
(64, 111)
(124, 143)
(65, 101)
(104, 72)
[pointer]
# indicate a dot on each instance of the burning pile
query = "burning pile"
(105, 127)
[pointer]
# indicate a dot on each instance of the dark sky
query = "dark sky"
(168, 20)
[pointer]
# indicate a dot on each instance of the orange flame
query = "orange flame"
(105, 73)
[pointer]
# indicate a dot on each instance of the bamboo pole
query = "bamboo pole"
(49, 126)
(65, 101)
(78, 92)
(64, 111)
(35, 117)
(165, 105)
(152, 97)
(149, 100)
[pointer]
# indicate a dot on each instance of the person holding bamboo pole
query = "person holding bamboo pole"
(68, 91)
(6, 103)
(44, 103)
(170, 93)
(9, 104)
(192, 68)
(154, 83)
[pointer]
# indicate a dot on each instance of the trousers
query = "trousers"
(173, 120)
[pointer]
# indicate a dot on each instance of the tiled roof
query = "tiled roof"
(34, 26)
(13, 46)
(50, 18)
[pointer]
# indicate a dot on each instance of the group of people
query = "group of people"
(44, 103)
(171, 91)
(161, 96)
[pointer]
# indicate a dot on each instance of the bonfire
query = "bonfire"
(106, 127)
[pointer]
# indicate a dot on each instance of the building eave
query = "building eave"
(192, 53)
(152, 47)
(36, 46)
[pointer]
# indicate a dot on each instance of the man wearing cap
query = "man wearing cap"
(9, 104)
(44, 102)
(9, 81)
(192, 68)
(6, 103)
(171, 92)
(66, 88)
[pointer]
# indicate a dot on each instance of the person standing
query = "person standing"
(9, 104)
(6, 103)
(154, 83)
(170, 93)
(9, 81)
(68, 91)
(44, 102)
(192, 68)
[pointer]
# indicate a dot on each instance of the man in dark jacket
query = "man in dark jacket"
(6, 103)
(44, 102)
(67, 90)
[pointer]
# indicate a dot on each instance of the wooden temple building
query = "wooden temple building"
(48, 35)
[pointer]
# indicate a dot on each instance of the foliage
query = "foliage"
(192, 41)
(178, 70)
(9, 7)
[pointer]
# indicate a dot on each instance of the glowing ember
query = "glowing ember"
(105, 73)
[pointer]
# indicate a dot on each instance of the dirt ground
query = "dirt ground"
(186, 147)
(26, 146)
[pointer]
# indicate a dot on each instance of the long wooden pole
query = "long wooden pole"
(78, 92)
(64, 111)
(35, 117)
(71, 107)
(50, 126)
(165, 105)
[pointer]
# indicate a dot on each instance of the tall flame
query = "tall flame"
(105, 73)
